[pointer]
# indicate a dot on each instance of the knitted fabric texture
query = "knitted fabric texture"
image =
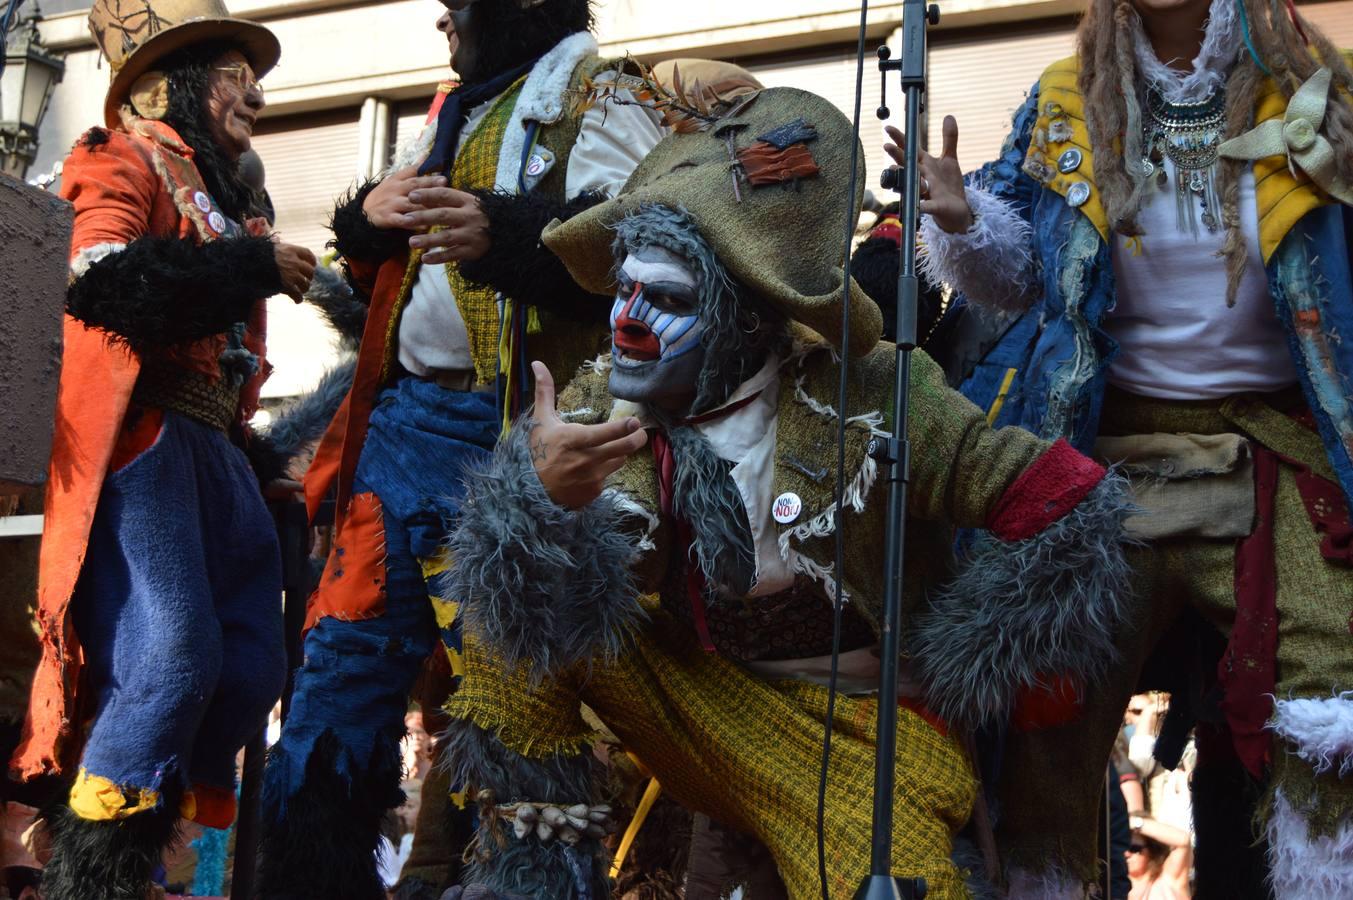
(476, 168)
(736, 748)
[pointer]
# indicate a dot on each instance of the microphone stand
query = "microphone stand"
(895, 454)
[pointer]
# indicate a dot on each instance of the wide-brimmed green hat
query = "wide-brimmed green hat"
(778, 230)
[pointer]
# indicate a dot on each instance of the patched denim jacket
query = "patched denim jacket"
(1051, 364)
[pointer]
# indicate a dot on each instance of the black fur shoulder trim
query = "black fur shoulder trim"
(518, 263)
(354, 235)
(160, 291)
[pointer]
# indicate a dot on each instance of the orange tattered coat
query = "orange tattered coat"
(140, 181)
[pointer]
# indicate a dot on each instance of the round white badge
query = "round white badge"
(535, 165)
(202, 201)
(216, 222)
(787, 507)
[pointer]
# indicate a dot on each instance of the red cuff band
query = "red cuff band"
(1044, 492)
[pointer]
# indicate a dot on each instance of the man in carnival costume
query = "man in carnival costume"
(1179, 233)
(446, 248)
(160, 573)
(682, 591)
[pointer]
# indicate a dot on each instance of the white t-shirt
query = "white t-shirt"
(1178, 339)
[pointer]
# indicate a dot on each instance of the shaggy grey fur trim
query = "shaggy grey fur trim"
(990, 263)
(704, 495)
(1022, 612)
(540, 583)
(525, 865)
(303, 421)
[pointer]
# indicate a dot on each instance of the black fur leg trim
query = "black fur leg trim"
(1230, 855)
(159, 291)
(325, 843)
(541, 582)
(510, 865)
(112, 860)
(520, 266)
(339, 304)
(354, 235)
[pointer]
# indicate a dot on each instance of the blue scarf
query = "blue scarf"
(456, 109)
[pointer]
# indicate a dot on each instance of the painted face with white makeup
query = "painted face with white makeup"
(656, 327)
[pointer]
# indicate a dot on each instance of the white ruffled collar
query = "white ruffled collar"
(1221, 46)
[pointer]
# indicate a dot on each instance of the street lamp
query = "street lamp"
(30, 75)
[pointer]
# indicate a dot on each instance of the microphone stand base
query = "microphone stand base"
(886, 887)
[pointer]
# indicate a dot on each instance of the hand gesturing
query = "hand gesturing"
(573, 461)
(941, 184)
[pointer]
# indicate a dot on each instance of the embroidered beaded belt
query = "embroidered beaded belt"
(191, 394)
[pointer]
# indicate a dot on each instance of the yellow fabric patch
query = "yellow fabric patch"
(435, 565)
(476, 168)
(1282, 198)
(1059, 97)
(98, 799)
(1000, 396)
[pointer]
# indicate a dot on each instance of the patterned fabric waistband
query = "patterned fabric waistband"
(191, 394)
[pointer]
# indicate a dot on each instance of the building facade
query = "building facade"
(355, 80)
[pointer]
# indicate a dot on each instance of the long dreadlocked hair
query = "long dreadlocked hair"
(188, 72)
(1113, 109)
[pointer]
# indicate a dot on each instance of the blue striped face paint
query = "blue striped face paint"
(656, 351)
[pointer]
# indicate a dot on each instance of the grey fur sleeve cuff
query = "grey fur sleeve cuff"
(991, 263)
(540, 583)
(1020, 614)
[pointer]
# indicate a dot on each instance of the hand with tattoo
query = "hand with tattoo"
(573, 461)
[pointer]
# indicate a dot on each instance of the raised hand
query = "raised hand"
(573, 461)
(296, 265)
(464, 234)
(941, 183)
(388, 203)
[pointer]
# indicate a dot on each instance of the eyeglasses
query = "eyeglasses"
(244, 77)
(1136, 848)
(1136, 710)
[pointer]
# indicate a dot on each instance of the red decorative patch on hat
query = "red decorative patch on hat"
(764, 164)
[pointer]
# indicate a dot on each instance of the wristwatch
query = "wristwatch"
(1135, 821)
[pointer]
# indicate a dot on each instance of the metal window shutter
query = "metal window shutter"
(309, 161)
(981, 80)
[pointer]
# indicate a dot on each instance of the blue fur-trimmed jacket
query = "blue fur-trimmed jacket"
(1048, 372)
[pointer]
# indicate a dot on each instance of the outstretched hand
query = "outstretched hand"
(572, 460)
(941, 183)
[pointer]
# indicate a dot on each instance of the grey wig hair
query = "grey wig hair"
(741, 329)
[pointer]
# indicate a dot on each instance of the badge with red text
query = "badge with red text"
(787, 507)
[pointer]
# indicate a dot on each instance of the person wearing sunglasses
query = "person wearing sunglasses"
(160, 571)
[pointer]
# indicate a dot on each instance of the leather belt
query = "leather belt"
(452, 379)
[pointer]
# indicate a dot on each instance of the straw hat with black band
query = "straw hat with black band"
(136, 34)
(777, 229)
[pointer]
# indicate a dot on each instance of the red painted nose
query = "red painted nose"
(632, 336)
